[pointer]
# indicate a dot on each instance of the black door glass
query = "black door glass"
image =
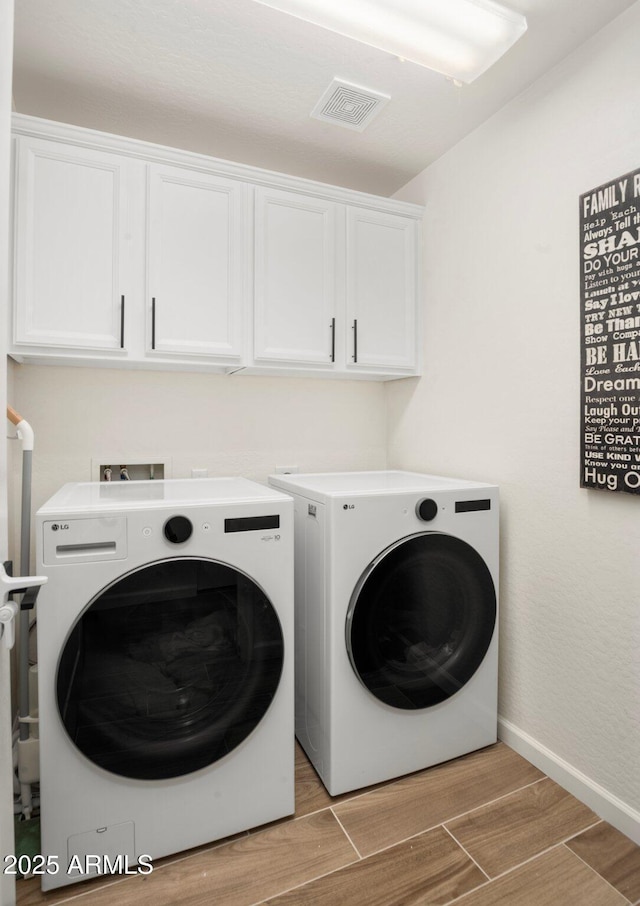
(421, 620)
(169, 669)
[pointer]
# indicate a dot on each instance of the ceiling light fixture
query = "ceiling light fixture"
(458, 38)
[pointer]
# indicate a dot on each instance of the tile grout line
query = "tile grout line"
(548, 849)
(489, 802)
(531, 858)
(326, 874)
(542, 852)
(431, 827)
(467, 893)
(347, 835)
(312, 880)
(362, 858)
(465, 851)
(598, 821)
(504, 874)
(595, 872)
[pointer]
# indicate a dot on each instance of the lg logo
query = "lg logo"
(349, 506)
(62, 527)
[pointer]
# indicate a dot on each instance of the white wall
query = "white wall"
(7, 884)
(499, 401)
(230, 425)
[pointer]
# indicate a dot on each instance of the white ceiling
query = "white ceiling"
(237, 80)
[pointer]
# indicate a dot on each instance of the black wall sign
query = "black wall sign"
(610, 350)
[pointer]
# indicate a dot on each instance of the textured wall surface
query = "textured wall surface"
(499, 400)
(228, 425)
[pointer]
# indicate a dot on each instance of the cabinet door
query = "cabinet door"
(381, 290)
(197, 262)
(71, 221)
(295, 278)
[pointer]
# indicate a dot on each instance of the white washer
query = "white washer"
(396, 621)
(165, 637)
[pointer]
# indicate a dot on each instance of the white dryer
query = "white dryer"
(165, 643)
(396, 621)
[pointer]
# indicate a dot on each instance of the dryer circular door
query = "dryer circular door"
(169, 668)
(421, 620)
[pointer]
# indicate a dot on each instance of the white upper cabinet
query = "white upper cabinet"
(335, 287)
(197, 263)
(295, 279)
(381, 290)
(71, 246)
(129, 254)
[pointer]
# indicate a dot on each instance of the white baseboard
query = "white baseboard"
(604, 804)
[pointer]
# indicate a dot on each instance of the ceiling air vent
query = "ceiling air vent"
(349, 105)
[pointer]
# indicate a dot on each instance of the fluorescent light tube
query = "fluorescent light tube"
(459, 38)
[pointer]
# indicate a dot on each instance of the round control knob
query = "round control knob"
(427, 509)
(177, 529)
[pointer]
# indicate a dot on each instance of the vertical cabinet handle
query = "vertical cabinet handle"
(121, 322)
(333, 339)
(355, 341)
(153, 323)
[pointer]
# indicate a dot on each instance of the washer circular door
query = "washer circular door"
(169, 668)
(421, 620)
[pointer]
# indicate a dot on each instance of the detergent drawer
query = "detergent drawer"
(84, 540)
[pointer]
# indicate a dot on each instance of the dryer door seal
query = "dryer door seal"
(170, 668)
(421, 620)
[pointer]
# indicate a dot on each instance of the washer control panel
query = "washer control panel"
(178, 529)
(426, 509)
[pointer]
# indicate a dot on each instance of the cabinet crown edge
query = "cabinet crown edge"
(36, 127)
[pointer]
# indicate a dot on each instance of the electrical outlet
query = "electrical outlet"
(287, 470)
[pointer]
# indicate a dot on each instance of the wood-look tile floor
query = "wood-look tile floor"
(487, 829)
